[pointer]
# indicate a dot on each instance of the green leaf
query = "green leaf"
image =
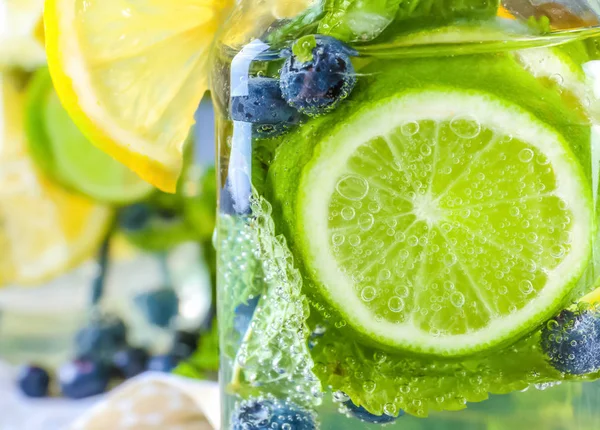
(419, 385)
(303, 48)
(363, 21)
(204, 359)
(274, 355)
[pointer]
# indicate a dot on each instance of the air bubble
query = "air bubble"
(457, 299)
(465, 126)
(369, 386)
(374, 207)
(557, 78)
(395, 304)
(348, 213)
(402, 291)
(365, 221)
(337, 239)
(352, 187)
(526, 155)
(409, 128)
(368, 293)
(390, 409)
(354, 240)
(385, 274)
(557, 251)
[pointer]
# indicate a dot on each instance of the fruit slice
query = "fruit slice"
(67, 156)
(132, 75)
(44, 230)
(443, 221)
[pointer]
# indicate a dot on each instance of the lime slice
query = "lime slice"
(443, 221)
(67, 156)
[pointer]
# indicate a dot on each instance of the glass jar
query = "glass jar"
(407, 214)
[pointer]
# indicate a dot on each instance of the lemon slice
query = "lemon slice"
(44, 230)
(19, 45)
(131, 74)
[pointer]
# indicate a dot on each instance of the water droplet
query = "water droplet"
(557, 251)
(526, 155)
(526, 287)
(352, 187)
(457, 299)
(369, 386)
(556, 77)
(465, 126)
(409, 128)
(340, 397)
(354, 240)
(390, 409)
(337, 239)
(348, 213)
(365, 221)
(384, 274)
(368, 294)
(402, 291)
(395, 304)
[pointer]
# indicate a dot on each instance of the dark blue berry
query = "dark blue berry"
(571, 342)
(135, 217)
(130, 361)
(264, 106)
(101, 338)
(83, 378)
(271, 414)
(364, 415)
(243, 315)
(316, 85)
(34, 381)
(163, 363)
(159, 307)
(184, 344)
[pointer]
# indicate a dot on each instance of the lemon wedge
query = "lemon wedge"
(131, 74)
(44, 230)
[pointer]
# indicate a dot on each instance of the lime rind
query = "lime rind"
(65, 155)
(331, 156)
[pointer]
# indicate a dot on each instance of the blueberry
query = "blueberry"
(83, 378)
(271, 414)
(101, 338)
(34, 381)
(571, 342)
(243, 315)
(159, 307)
(163, 363)
(135, 217)
(264, 107)
(364, 415)
(130, 361)
(184, 344)
(316, 82)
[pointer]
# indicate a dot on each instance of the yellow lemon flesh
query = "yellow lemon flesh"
(131, 74)
(44, 230)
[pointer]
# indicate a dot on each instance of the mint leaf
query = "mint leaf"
(205, 359)
(365, 20)
(274, 353)
(303, 48)
(386, 382)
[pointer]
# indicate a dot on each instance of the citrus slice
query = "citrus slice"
(44, 230)
(67, 156)
(19, 44)
(132, 75)
(443, 221)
